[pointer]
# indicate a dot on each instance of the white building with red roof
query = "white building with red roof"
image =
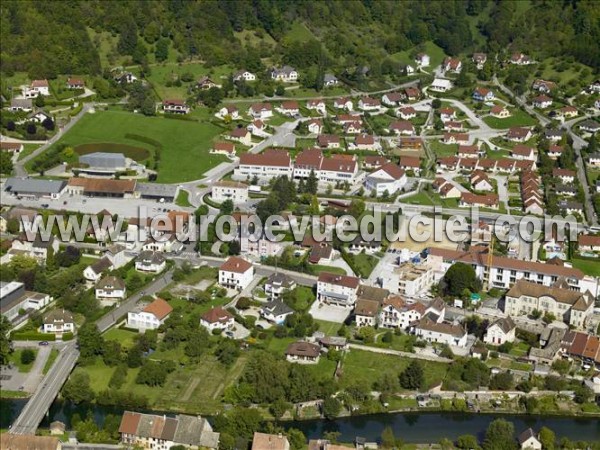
(236, 273)
(217, 319)
(336, 289)
(388, 178)
(268, 164)
(149, 316)
(37, 87)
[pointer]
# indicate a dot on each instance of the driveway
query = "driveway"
(329, 313)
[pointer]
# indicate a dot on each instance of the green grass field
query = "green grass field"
(299, 32)
(183, 199)
(186, 144)
(125, 337)
(50, 361)
(15, 358)
(162, 74)
(518, 118)
(436, 54)
(329, 328)
(587, 266)
(28, 149)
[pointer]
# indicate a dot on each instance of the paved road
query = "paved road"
(20, 165)
(37, 406)
(35, 375)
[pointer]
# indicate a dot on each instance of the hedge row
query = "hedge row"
(33, 336)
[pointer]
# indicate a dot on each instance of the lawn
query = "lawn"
(298, 32)
(28, 149)
(162, 75)
(435, 53)
(587, 266)
(420, 198)
(15, 358)
(367, 367)
(442, 150)
(363, 264)
(125, 337)
(318, 268)
(185, 144)
(183, 199)
(50, 361)
(329, 328)
(518, 118)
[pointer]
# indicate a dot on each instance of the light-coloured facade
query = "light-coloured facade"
(236, 273)
(229, 190)
(339, 290)
(409, 279)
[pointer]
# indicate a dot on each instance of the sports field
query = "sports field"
(184, 155)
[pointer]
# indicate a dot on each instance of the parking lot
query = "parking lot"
(329, 313)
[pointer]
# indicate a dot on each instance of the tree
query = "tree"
(279, 407)
(162, 50)
(311, 183)
(128, 37)
(118, 377)
(77, 389)
(500, 435)
(583, 394)
(388, 439)
(366, 334)
(547, 438)
(5, 341)
(331, 408)
(27, 356)
(226, 207)
(48, 124)
(31, 128)
(413, 377)
(467, 442)
(502, 382)
(6, 164)
(460, 276)
(91, 342)
(39, 101)
(296, 438)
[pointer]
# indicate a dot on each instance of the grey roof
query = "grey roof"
(34, 186)
(328, 78)
(104, 160)
(277, 308)
(155, 189)
(195, 431)
(58, 315)
(528, 433)
(590, 124)
(111, 283)
(506, 324)
(150, 257)
(280, 279)
(21, 103)
(101, 265)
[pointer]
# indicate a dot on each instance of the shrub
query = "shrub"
(27, 356)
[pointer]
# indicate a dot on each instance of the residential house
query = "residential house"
(403, 127)
(244, 75)
(287, 74)
(224, 148)
(371, 162)
(175, 106)
(543, 86)
(337, 289)
(452, 65)
(588, 243)
(519, 134)
(407, 112)
(468, 151)
(542, 101)
(159, 432)
(480, 181)
(257, 128)
(149, 316)
(328, 141)
(315, 126)
(229, 111)
(10, 441)
(268, 164)
(241, 135)
(442, 333)
(529, 441)
(261, 111)
(236, 273)
(554, 135)
(369, 104)
(35, 248)
(303, 353)
(411, 163)
(590, 126)
(521, 151)
(501, 331)
(520, 59)
(412, 143)
(468, 200)
(321, 253)
(569, 111)
(452, 126)
(277, 284)
(422, 60)
(455, 138)
(217, 319)
(149, 261)
(499, 111)
(205, 83)
(482, 94)
(392, 99)
(365, 142)
(353, 127)
(329, 80)
(447, 114)
(409, 279)
(571, 207)
(317, 105)
(275, 311)
(555, 151)
(440, 85)
(365, 312)
(388, 178)
(290, 108)
(21, 104)
(94, 271)
(58, 322)
(343, 103)
(263, 441)
(37, 87)
(110, 288)
(445, 188)
(229, 190)
(479, 59)
(565, 175)
(572, 307)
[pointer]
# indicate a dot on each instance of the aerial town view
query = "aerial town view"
(299, 225)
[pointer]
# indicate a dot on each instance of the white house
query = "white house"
(442, 333)
(422, 60)
(244, 75)
(287, 74)
(261, 111)
(330, 80)
(315, 126)
(268, 164)
(58, 321)
(542, 101)
(149, 316)
(175, 106)
(111, 288)
(501, 331)
(276, 311)
(343, 103)
(368, 104)
(149, 261)
(303, 353)
(230, 111)
(317, 105)
(337, 289)
(94, 271)
(236, 273)
(395, 313)
(440, 85)
(229, 190)
(277, 284)
(217, 319)
(37, 87)
(392, 98)
(480, 181)
(389, 177)
(529, 441)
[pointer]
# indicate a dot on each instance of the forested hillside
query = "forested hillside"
(45, 38)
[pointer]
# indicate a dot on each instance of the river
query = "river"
(425, 427)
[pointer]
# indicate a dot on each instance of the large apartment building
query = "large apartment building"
(269, 164)
(409, 279)
(337, 289)
(572, 307)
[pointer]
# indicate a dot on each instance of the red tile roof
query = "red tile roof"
(160, 308)
(236, 264)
